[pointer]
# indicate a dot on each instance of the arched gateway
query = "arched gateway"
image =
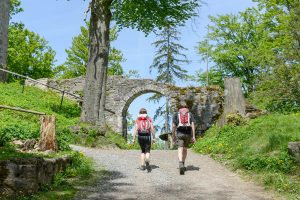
(204, 102)
(122, 91)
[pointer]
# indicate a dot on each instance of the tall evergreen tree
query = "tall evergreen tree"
(168, 61)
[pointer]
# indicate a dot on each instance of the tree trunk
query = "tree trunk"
(4, 22)
(47, 138)
(234, 101)
(95, 83)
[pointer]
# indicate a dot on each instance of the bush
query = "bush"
(64, 139)
(17, 132)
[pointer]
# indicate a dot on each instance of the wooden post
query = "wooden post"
(234, 101)
(47, 138)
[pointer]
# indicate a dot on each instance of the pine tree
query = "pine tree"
(168, 62)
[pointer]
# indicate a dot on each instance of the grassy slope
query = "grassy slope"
(259, 148)
(38, 100)
(25, 125)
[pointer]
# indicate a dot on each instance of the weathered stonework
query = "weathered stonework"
(294, 150)
(23, 176)
(205, 103)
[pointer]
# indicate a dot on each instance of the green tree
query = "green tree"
(236, 45)
(28, 53)
(15, 7)
(279, 89)
(168, 61)
(169, 56)
(77, 56)
(214, 75)
(142, 15)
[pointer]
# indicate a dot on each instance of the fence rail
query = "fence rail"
(49, 86)
(22, 110)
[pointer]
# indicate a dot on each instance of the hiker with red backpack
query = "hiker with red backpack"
(144, 129)
(184, 126)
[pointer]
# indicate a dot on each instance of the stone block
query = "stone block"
(294, 150)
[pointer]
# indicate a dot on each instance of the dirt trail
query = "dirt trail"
(204, 178)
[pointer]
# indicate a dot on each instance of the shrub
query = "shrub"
(15, 131)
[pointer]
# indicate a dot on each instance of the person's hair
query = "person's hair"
(182, 104)
(143, 111)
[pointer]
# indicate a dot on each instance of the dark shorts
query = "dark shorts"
(145, 143)
(183, 140)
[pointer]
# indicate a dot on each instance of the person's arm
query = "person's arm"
(153, 132)
(134, 133)
(174, 127)
(193, 128)
(193, 132)
(174, 131)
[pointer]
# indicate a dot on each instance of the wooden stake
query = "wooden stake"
(47, 140)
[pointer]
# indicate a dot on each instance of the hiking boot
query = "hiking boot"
(142, 167)
(148, 165)
(181, 168)
(184, 167)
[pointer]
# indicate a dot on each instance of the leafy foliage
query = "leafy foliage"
(15, 131)
(28, 53)
(15, 7)
(261, 47)
(77, 56)
(233, 43)
(20, 125)
(215, 77)
(279, 89)
(149, 15)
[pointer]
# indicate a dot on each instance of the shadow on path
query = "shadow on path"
(108, 185)
(192, 168)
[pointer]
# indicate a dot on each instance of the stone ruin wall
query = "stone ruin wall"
(205, 102)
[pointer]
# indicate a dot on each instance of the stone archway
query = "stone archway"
(122, 91)
(204, 102)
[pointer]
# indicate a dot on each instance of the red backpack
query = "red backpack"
(184, 123)
(143, 124)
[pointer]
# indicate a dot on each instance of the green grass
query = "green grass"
(260, 149)
(109, 139)
(19, 125)
(38, 100)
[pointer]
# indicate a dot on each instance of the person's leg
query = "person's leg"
(187, 141)
(142, 145)
(148, 156)
(184, 154)
(147, 149)
(180, 144)
(142, 159)
(180, 154)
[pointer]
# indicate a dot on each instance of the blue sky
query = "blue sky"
(59, 20)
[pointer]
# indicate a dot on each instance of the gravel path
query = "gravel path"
(204, 178)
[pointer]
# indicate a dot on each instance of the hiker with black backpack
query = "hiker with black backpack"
(144, 129)
(183, 132)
